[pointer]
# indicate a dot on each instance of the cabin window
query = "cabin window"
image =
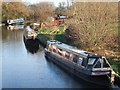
(85, 61)
(98, 65)
(60, 52)
(67, 55)
(71, 57)
(91, 61)
(105, 64)
(79, 61)
(54, 48)
(101, 60)
(63, 53)
(75, 58)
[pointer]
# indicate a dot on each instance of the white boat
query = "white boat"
(29, 33)
(15, 21)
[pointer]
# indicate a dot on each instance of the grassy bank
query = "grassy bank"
(115, 63)
(55, 32)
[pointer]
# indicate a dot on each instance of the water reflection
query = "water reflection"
(11, 35)
(15, 27)
(31, 45)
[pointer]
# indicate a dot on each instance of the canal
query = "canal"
(22, 67)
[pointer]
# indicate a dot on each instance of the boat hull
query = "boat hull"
(28, 38)
(81, 73)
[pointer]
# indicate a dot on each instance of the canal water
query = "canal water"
(24, 65)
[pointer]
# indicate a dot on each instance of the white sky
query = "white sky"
(56, 2)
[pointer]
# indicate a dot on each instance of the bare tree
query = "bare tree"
(96, 23)
(12, 10)
(39, 12)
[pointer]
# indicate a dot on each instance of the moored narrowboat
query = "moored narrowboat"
(15, 21)
(83, 64)
(29, 33)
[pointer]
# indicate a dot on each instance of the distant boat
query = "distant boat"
(15, 21)
(29, 33)
(60, 19)
(85, 65)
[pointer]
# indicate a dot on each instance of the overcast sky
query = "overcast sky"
(56, 2)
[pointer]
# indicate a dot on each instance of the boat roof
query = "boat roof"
(72, 49)
(28, 29)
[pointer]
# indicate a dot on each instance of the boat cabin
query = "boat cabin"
(29, 33)
(84, 59)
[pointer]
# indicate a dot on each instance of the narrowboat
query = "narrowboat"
(83, 64)
(15, 21)
(29, 33)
